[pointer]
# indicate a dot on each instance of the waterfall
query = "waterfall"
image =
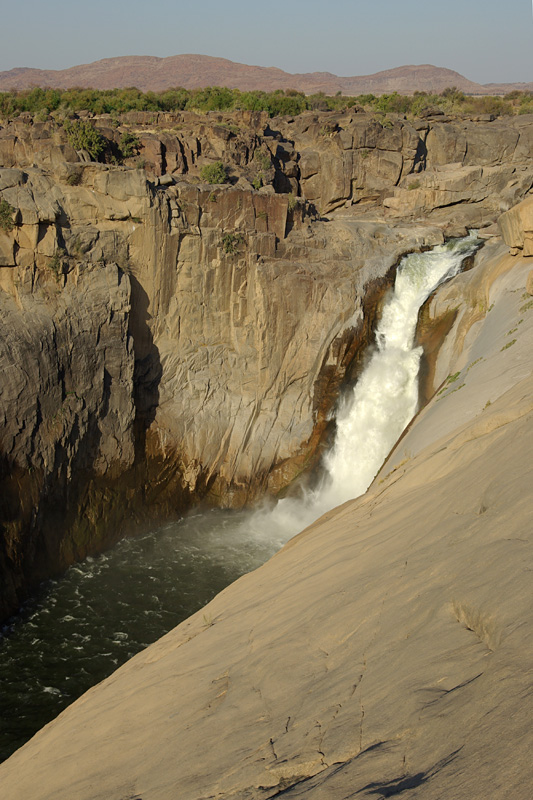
(384, 400)
(105, 609)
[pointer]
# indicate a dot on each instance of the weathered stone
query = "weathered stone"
(47, 243)
(491, 145)
(446, 144)
(493, 188)
(309, 163)
(516, 223)
(27, 236)
(7, 250)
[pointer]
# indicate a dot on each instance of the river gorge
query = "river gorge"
(176, 351)
(109, 607)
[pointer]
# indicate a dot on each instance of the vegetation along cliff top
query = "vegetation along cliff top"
(289, 101)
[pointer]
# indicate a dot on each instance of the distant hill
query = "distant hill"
(196, 71)
(504, 88)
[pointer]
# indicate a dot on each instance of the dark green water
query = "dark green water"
(81, 627)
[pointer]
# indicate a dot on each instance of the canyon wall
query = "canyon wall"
(385, 650)
(165, 340)
(414, 167)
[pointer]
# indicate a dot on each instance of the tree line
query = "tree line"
(43, 102)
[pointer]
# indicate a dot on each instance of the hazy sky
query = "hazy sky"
(485, 40)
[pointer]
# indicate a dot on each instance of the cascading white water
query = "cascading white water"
(384, 400)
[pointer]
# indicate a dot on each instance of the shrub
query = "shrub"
(509, 344)
(211, 98)
(231, 242)
(318, 102)
(119, 101)
(454, 94)
(129, 144)
(394, 102)
(84, 136)
(278, 104)
(214, 173)
(328, 129)
(74, 179)
(491, 105)
(263, 159)
(6, 216)
(56, 262)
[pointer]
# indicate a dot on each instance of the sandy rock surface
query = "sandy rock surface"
(387, 649)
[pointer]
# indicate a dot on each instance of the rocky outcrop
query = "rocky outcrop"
(517, 228)
(66, 395)
(384, 650)
(413, 167)
(484, 190)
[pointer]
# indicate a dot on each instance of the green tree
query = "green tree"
(6, 216)
(129, 144)
(214, 173)
(84, 136)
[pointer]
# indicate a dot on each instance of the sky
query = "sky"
(485, 40)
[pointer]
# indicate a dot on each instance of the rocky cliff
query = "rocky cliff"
(167, 340)
(385, 650)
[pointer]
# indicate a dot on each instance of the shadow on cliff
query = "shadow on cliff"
(9, 510)
(148, 369)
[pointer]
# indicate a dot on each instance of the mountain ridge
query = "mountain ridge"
(194, 71)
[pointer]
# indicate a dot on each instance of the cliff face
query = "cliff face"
(161, 344)
(66, 394)
(255, 331)
(384, 650)
(415, 168)
(166, 340)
